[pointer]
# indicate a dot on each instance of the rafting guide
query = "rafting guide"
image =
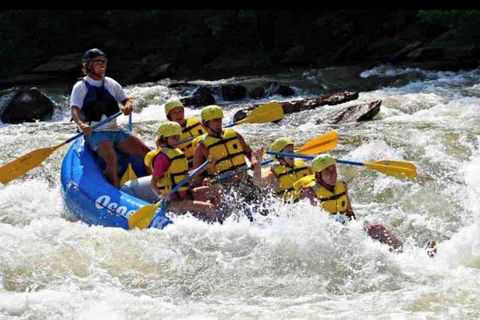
(94, 98)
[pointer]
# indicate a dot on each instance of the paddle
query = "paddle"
(268, 112)
(20, 166)
(395, 168)
(129, 173)
(322, 143)
(142, 218)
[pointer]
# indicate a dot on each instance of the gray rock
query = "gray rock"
(27, 106)
(354, 113)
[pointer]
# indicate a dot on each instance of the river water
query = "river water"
(294, 264)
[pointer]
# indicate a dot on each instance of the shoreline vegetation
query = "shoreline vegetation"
(45, 46)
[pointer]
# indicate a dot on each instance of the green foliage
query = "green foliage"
(466, 22)
(195, 37)
(218, 22)
(261, 60)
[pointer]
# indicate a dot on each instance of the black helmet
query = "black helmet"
(91, 54)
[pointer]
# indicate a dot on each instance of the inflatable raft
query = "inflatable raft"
(88, 195)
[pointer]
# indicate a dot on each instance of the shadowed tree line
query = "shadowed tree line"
(198, 42)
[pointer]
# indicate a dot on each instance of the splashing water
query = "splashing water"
(292, 263)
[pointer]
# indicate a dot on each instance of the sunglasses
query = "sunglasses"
(102, 61)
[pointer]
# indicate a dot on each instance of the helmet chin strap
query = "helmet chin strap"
(283, 161)
(215, 132)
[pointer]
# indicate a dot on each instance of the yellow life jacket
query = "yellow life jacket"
(176, 172)
(332, 202)
(227, 150)
(287, 176)
(193, 128)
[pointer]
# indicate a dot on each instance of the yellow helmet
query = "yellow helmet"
(172, 104)
(322, 161)
(168, 129)
(280, 143)
(211, 112)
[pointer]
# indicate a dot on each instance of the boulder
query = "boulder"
(274, 88)
(271, 88)
(257, 93)
(233, 92)
(312, 103)
(201, 97)
(354, 113)
(27, 105)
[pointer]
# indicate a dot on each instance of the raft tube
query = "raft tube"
(89, 197)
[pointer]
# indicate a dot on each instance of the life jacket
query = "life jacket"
(227, 150)
(193, 128)
(332, 202)
(176, 172)
(287, 176)
(97, 102)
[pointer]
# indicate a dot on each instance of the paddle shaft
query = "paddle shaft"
(230, 125)
(306, 157)
(238, 171)
(189, 177)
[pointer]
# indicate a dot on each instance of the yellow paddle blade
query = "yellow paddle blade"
(319, 144)
(268, 112)
(128, 175)
(20, 166)
(142, 217)
(395, 168)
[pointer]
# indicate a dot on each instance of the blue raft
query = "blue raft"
(88, 195)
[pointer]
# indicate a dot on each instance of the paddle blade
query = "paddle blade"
(269, 112)
(20, 166)
(142, 217)
(320, 144)
(395, 168)
(128, 175)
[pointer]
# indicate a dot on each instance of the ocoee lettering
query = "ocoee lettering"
(104, 202)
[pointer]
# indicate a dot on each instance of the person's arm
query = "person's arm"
(77, 96)
(119, 93)
(310, 195)
(153, 185)
(350, 214)
(259, 180)
(199, 156)
(127, 106)
(246, 148)
(85, 127)
(160, 166)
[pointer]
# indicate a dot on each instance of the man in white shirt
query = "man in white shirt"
(96, 97)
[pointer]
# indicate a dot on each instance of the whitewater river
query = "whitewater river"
(294, 264)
